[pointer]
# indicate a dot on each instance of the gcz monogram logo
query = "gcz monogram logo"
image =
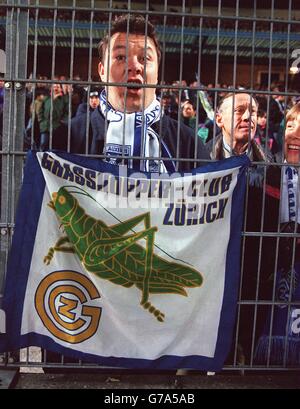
(61, 301)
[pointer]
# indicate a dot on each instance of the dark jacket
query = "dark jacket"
(184, 148)
(276, 115)
(79, 130)
(83, 108)
(59, 113)
(257, 251)
(256, 220)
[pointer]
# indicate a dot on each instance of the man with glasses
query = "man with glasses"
(237, 119)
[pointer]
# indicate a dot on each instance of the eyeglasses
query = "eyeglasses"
(94, 94)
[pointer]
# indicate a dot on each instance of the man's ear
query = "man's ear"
(219, 120)
(101, 72)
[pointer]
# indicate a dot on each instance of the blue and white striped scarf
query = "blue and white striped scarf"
(130, 134)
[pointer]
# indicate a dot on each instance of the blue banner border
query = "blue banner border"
(20, 260)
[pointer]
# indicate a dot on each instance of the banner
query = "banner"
(126, 269)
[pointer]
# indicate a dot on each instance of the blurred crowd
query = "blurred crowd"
(51, 109)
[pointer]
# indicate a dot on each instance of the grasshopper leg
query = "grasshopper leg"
(157, 314)
(59, 246)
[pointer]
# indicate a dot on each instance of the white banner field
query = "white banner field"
(126, 269)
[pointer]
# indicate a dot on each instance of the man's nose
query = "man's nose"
(134, 66)
(246, 115)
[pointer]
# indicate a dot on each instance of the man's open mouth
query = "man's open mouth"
(136, 84)
(294, 147)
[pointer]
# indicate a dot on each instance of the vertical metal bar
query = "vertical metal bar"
(108, 68)
(196, 164)
(126, 80)
(53, 74)
(253, 46)
(236, 26)
(247, 192)
(144, 139)
(292, 276)
(180, 83)
(217, 71)
(20, 98)
(234, 76)
(13, 120)
(70, 88)
(87, 130)
(162, 62)
(263, 207)
(8, 115)
(33, 114)
(272, 306)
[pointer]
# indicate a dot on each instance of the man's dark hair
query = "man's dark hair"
(133, 24)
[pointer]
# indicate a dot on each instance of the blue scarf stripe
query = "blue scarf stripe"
(151, 115)
(137, 145)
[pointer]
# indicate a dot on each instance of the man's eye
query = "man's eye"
(120, 57)
(145, 58)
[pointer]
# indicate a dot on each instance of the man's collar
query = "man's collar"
(226, 146)
(228, 151)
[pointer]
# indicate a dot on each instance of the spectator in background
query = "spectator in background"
(279, 337)
(66, 88)
(188, 113)
(166, 104)
(77, 96)
(261, 133)
(54, 116)
(32, 134)
(276, 110)
(79, 129)
(92, 104)
(237, 120)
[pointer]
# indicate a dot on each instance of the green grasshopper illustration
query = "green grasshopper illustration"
(113, 252)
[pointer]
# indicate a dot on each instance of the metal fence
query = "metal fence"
(207, 46)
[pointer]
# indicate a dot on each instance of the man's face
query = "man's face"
(56, 89)
(128, 63)
(237, 118)
(94, 102)
(188, 111)
(292, 140)
(262, 121)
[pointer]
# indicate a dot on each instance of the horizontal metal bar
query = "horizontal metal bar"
(94, 366)
(158, 86)
(270, 303)
(270, 234)
(102, 156)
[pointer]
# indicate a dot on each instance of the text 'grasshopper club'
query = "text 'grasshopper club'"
(115, 253)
